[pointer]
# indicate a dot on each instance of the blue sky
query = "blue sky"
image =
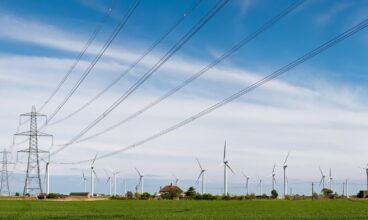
(317, 111)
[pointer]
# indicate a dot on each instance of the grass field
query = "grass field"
(334, 209)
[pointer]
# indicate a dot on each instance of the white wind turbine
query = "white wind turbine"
(140, 183)
(226, 165)
(93, 174)
(201, 174)
(114, 173)
(246, 183)
(322, 182)
(260, 186)
(284, 166)
(366, 171)
(176, 180)
(108, 181)
(273, 177)
(84, 181)
(330, 179)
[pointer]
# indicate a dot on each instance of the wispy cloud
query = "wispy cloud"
(332, 12)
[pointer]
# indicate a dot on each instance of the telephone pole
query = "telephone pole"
(33, 183)
(4, 187)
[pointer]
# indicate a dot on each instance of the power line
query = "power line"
(157, 42)
(212, 12)
(243, 91)
(82, 52)
(118, 28)
(224, 56)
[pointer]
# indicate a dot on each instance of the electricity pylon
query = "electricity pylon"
(4, 187)
(33, 183)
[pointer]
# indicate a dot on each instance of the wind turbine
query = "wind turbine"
(226, 165)
(84, 180)
(93, 174)
(246, 183)
(366, 171)
(140, 181)
(273, 177)
(322, 178)
(260, 186)
(330, 179)
(108, 181)
(48, 177)
(201, 174)
(176, 179)
(284, 166)
(114, 173)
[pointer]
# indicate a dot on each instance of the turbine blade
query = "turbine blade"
(200, 174)
(83, 174)
(320, 170)
(138, 172)
(94, 172)
(330, 173)
(274, 167)
(94, 159)
(320, 182)
(287, 157)
(223, 159)
(228, 166)
(199, 164)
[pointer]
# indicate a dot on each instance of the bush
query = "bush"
(315, 195)
(274, 194)
(250, 196)
(145, 196)
(327, 193)
(191, 192)
(129, 195)
(53, 196)
(17, 194)
(118, 198)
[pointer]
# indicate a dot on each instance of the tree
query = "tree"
(191, 192)
(274, 194)
(129, 195)
(145, 196)
(327, 193)
(173, 193)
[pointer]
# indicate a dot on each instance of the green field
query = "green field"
(327, 209)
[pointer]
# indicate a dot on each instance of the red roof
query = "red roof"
(170, 187)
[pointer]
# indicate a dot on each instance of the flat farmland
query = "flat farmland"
(113, 209)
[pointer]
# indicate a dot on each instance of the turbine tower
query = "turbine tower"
(246, 183)
(110, 187)
(226, 166)
(330, 179)
(115, 173)
(322, 182)
(366, 171)
(273, 177)
(260, 186)
(176, 180)
(48, 177)
(33, 183)
(93, 174)
(84, 181)
(201, 174)
(140, 183)
(4, 187)
(284, 166)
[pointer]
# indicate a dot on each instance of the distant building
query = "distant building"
(171, 187)
(363, 194)
(79, 195)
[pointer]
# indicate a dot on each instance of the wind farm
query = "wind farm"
(194, 109)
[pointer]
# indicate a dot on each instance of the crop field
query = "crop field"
(262, 209)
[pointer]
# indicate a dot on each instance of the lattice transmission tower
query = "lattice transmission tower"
(4, 186)
(33, 184)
